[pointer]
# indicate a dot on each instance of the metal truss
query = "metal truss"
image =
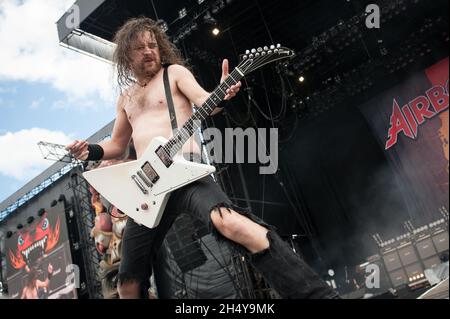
(85, 223)
(37, 190)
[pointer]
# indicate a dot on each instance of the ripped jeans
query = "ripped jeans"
(284, 270)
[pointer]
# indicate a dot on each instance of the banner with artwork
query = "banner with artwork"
(410, 122)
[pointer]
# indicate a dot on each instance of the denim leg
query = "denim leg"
(283, 269)
(288, 273)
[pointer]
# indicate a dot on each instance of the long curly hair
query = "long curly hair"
(124, 39)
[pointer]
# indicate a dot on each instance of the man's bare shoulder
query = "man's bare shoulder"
(178, 69)
(124, 97)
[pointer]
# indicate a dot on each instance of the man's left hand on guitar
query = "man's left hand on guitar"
(233, 90)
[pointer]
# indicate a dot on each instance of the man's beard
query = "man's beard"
(147, 72)
(150, 71)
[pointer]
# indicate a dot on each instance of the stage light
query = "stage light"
(182, 13)
(163, 25)
(301, 79)
(215, 31)
(208, 18)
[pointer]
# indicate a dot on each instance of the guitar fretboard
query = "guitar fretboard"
(174, 145)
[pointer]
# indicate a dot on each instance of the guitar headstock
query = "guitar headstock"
(255, 58)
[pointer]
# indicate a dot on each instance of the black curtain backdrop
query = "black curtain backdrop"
(335, 189)
(345, 184)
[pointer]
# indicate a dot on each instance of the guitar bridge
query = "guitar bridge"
(139, 184)
(144, 179)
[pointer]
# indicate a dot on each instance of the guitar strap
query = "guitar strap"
(172, 115)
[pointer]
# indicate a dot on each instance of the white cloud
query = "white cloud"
(36, 103)
(21, 157)
(31, 51)
(5, 103)
(10, 90)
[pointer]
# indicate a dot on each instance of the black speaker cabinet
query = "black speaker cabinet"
(414, 270)
(392, 261)
(408, 255)
(431, 262)
(441, 241)
(426, 249)
(398, 277)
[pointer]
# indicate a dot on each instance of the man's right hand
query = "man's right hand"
(79, 150)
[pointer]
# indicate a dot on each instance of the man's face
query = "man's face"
(145, 56)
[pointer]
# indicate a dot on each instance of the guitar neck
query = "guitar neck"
(174, 145)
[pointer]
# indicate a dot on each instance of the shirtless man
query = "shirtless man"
(142, 113)
(30, 291)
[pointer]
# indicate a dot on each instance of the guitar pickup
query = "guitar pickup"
(144, 179)
(150, 173)
(164, 156)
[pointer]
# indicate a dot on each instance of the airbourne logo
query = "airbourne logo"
(408, 118)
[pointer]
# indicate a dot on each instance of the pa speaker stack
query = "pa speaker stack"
(407, 257)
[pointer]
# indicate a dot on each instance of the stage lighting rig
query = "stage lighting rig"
(182, 13)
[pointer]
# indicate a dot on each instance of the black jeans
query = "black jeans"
(283, 269)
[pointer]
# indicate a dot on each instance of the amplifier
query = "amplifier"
(398, 277)
(392, 261)
(440, 240)
(432, 262)
(426, 249)
(414, 270)
(408, 255)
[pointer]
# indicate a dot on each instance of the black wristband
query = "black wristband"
(96, 152)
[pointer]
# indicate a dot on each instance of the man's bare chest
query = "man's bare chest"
(151, 100)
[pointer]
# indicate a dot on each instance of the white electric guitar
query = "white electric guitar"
(142, 188)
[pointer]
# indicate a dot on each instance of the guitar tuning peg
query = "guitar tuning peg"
(247, 52)
(245, 57)
(263, 53)
(251, 56)
(260, 49)
(272, 47)
(278, 46)
(270, 52)
(253, 50)
(257, 54)
(266, 48)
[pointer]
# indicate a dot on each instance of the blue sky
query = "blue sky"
(47, 92)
